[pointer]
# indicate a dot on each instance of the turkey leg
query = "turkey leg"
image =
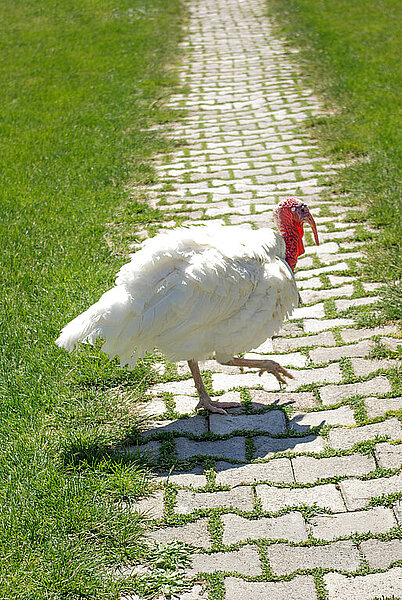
(264, 365)
(205, 401)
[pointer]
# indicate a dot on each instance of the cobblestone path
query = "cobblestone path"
(296, 493)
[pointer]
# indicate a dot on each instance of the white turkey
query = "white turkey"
(199, 292)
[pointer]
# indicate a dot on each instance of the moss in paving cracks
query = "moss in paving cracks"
(164, 571)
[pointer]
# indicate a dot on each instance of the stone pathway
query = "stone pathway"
(296, 494)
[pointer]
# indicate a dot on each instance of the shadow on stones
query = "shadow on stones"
(188, 446)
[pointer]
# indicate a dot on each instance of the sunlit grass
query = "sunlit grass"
(78, 82)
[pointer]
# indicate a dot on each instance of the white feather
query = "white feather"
(192, 293)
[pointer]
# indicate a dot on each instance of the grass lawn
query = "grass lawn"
(78, 82)
(351, 53)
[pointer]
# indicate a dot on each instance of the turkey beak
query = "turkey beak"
(309, 219)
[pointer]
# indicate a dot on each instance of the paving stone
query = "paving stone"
(316, 311)
(330, 374)
(379, 554)
(222, 381)
(325, 496)
(196, 425)
(357, 493)
(362, 348)
(389, 456)
(151, 507)
(293, 359)
(322, 339)
(233, 448)
(194, 534)
(339, 416)
(365, 587)
(193, 477)
(354, 335)
(316, 325)
(363, 367)
(301, 587)
(278, 470)
(332, 394)
(261, 398)
(290, 526)
(266, 446)
(312, 283)
(377, 407)
(196, 593)
(375, 520)
(308, 469)
(154, 408)
(185, 404)
(309, 296)
(150, 450)
(345, 304)
(245, 561)
(240, 497)
(343, 439)
(338, 556)
(272, 422)
(185, 387)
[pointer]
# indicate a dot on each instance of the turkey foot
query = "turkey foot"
(264, 365)
(205, 401)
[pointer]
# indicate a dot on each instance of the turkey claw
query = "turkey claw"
(214, 406)
(275, 368)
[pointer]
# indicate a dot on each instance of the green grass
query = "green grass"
(350, 52)
(80, 82)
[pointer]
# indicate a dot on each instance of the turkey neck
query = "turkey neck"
(293, 240)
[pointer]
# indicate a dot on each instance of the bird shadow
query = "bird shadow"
(193, 444)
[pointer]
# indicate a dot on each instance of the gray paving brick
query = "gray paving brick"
(197, 592)
(389, 455)
(272, 422)
(381, 554)
(150, 450)
(287, 344)
(151, 507)
(332, 394)
(338, 556)
(245, 561)
(196, 425)
(375, 520)
(316, 325)
(308, 469)
(300, 587)
(266, 446)
(325, 496)
(344, 438)
(365, 587)
(354, 335)
(330, 374)
(223, 381)
(194, 534)
(192, 477)
(365, 366)
(362, 348)
(233, 448)
(240, 497)
(277, 470)
(357, 493)
(290, 527)
(377, 407)
(261, 398)
(338, 416)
